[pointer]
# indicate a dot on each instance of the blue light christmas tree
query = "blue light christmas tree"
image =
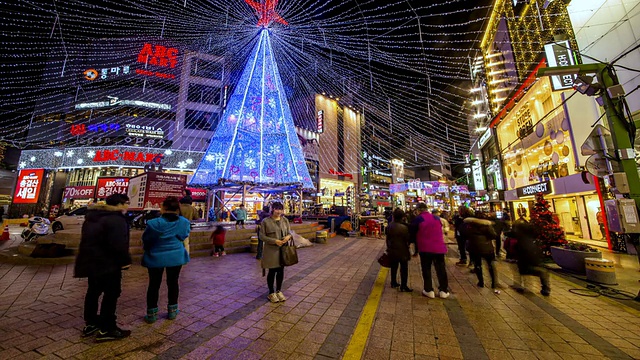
(256, 142)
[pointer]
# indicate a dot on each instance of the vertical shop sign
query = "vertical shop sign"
(111, 185)
(560, 54)
(28, 187)
(320, 121)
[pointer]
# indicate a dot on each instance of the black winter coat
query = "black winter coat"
(398, 241)
(479, 234)
(104, 244)
(528, 253)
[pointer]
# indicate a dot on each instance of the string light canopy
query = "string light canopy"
(402, 64)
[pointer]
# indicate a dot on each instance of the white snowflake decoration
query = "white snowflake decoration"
(182, 165)
(209, 157)
(250, 163)
(274, 149)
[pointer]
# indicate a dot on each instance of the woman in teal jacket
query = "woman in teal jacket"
(164, 249)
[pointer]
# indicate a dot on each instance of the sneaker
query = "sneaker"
(89, 330)
(115, 334)
(444, 294)
(429, 294)
(273, 298)
(216, 255)
(461, 263)
(280, 296)
(224, 253)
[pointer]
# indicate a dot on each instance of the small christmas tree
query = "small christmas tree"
(549, 231)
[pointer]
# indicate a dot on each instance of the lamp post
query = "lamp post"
(620, 129)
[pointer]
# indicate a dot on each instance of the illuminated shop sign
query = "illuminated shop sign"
(104, 73)
(28, 187)
(82, 129)
(114, 155)
(114, 101)
(79, 192)
(340, 173)
(560, 54)
(144, 131)
(157, 55)
(320, 121)
(524, 122)
(484, 138)
(543, 187)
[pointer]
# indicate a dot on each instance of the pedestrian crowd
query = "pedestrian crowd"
(479, 240)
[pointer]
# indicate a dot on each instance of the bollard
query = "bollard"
(321, 237)
(601, 271)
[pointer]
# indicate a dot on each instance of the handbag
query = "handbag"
(384, 260)
(288, 253)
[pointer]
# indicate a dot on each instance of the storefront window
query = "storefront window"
(567, 211)
(534, 150)
(592, 204)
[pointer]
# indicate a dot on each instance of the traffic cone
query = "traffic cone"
(5, 234)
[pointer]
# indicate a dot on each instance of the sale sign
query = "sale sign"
(79, 192)
(28, 187)
(111, 185)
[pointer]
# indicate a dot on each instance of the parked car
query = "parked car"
(72, 220)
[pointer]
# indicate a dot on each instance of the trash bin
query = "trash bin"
(321, 237)
(254, 244)
(601, 271)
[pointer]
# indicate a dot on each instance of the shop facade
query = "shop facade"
(538, 140)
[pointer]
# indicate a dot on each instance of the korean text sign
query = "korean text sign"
(28, 186)
(111, 185)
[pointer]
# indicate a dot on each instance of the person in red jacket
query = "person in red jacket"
(217, 239)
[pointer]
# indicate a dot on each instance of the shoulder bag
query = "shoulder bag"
(288, 253)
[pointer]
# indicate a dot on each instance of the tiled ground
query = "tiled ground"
(225, 314)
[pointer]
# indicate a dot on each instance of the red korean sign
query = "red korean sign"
(198, 194)
(79, 192)
(111, 185)
(157, 55)
(136, 156)
(28, 186)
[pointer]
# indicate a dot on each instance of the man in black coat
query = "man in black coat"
(103, 254)
(529, 255)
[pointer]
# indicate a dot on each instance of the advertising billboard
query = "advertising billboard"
(111, 185)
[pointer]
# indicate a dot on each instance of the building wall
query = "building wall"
(605, 29)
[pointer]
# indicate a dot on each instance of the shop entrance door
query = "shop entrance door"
(592, 205)
(567, 211)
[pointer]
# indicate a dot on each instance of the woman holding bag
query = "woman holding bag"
(274, 232)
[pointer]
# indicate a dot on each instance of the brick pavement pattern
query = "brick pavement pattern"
(225, 314)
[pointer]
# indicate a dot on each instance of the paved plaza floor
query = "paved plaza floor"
(339, 305)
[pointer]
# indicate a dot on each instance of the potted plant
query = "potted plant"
(571, 255)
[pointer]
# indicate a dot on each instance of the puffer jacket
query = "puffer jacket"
(479, 234)
(398, 241)
(426, 229)
(104, 243)
(163, 241)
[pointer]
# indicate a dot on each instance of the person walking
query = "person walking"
(499, 225)
(529, 256)
(275, 231)
(164, 249)
(398, 250)
(241, 216)
(189, 212)
(217, 240)
(480, 233)
(102, 255)
(426, 229)
(458, 220)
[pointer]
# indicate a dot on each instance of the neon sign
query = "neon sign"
(158, 55)
(114, 155)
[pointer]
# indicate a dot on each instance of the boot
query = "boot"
(173, 311)
(152, 316)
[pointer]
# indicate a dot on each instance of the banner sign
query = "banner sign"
(79, 192)
(111, 185)
(150, 189)
(28, 187)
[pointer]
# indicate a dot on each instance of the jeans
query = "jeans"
(462, 246)
(109, 286)
(404, 272)
(155, 279)
(438, 262)
(493, 271)
(278, 274)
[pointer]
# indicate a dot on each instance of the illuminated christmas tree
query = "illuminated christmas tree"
(550, 233)
(256, 141)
